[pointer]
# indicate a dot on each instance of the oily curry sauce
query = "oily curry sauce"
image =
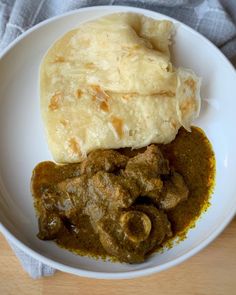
(190, 154)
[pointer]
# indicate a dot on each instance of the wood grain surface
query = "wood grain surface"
(210, 272)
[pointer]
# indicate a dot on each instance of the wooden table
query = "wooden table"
(212, 271)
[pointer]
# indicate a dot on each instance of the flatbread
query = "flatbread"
(110, 84)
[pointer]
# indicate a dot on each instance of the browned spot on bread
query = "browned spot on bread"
(191, 84)
(64, 122)
(55, 101)
(104, 106)
(99, 93)
(90, 65)
(161, 93)
(59, 59)
(118, 125)
(74, 146)
(79, 93)
(165, 93)
(173, 124)
(126, 96)
(187, 105)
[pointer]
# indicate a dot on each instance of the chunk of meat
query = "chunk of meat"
(146, 169)
(74, 191)
(103, 160)
(68, 197)
(114, 241)
(50, 226)
(115, 191)
(174, 192)
(109, 193)
(74, 185)
(152, 161)
(133, 244)
(136, 225)
(161, 226)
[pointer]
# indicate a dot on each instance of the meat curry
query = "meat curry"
(125, 204)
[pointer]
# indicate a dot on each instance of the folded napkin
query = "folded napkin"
(214, 19)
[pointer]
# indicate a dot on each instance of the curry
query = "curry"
(192, 156)
(125, 204)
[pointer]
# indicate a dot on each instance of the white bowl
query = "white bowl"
(23, 144)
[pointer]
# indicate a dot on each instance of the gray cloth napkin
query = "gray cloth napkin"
(214, 19)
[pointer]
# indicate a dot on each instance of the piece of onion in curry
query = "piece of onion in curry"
(125, 204)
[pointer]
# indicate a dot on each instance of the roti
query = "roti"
(110, 84)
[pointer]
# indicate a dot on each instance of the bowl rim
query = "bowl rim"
(132, 273)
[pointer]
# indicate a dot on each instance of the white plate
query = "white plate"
(23, 143)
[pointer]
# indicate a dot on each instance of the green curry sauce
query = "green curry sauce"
(190, 154)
